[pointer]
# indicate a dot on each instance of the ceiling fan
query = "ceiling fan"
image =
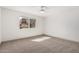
(43, 9)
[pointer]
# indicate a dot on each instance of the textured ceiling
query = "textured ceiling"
(36, 9)
(28, 9)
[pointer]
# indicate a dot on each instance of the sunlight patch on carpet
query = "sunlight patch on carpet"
(41, 39)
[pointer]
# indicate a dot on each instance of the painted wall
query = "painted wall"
(63, 23)
(0, 25)
(10, 25)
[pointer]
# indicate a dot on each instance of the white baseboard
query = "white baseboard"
(62, 38)
(22, 38)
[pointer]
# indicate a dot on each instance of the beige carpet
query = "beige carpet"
(29, 45)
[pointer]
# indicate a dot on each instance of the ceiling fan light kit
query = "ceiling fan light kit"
(43, 8)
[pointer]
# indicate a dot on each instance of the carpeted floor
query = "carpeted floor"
(29, 45)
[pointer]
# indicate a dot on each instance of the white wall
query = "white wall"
(0, 25)
(10, 24)
(63, 23)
